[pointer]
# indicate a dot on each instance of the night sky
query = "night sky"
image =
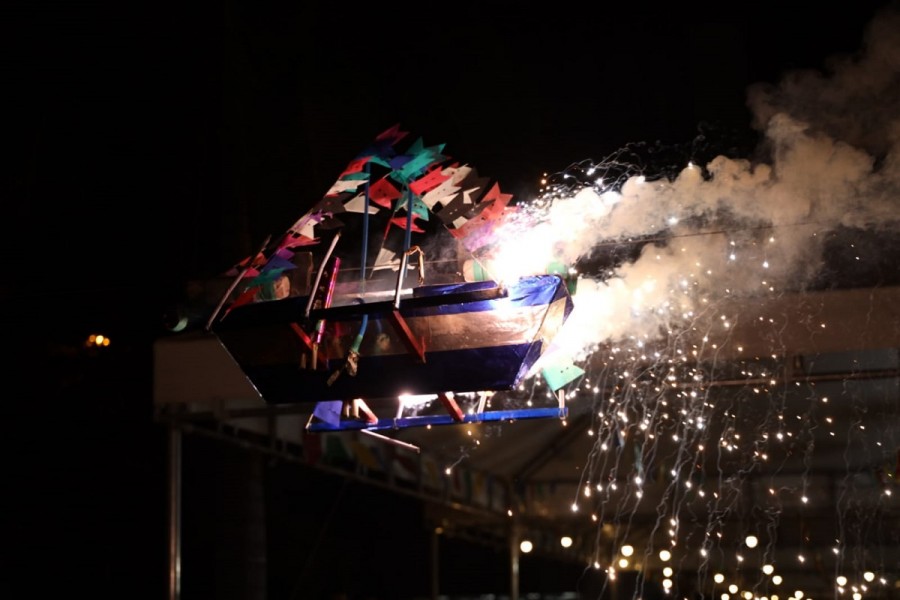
(155, 146)
(152, 144)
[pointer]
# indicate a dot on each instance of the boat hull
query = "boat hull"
(446, 338)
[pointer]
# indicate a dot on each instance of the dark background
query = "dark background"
(148, 144)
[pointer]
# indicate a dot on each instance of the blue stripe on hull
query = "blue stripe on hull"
(528, 291)
(428, 300)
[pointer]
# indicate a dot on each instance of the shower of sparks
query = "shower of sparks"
(726, 448)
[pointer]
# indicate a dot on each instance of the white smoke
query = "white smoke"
(744, 227)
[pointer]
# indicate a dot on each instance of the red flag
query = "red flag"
(431, 180)
(258, 261)
(495, 203)
(296, 241)
(393, 135)
(356, 166)
(246, 297)
(383, 193)
(401, 223)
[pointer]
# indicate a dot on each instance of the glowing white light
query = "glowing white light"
(768, 569)
(841, 580)
(718, 578)
(526, 546)
(623, 563)
(664, 555)
(416, 399)
(733, 588)
(869, 576)
(668, 571)
(776, 579)
(751, 541)
(628, 550)
(667, 583)
(798, 594)
(565, 541)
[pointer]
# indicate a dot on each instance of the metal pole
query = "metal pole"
(407, 241)
(236, 281)
(514, 535)
(174, 512)
(400, 274)
(435, 563)
(312, 294)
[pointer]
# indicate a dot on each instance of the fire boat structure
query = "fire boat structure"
(374, 308)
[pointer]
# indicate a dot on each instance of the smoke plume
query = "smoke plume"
(734, 226)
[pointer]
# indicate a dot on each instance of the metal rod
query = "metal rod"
(312, 295)
(391, 440)
(482, 400)
(236, 281)
(329, 294)
(400, 276)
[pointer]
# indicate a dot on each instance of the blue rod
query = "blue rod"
(422, 421)
(365, 234)
(407, 240)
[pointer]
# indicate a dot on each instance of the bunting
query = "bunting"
(421, 179)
